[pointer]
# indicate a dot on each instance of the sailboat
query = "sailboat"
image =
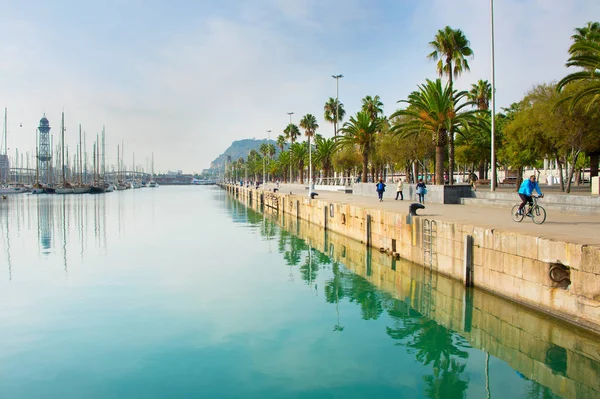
(97, 186)
(10, 188)
(65, 187)
(80, 188)
(152, 183)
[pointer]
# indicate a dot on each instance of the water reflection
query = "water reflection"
(61, 224)
(436, 320)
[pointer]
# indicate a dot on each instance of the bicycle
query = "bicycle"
(536, 212)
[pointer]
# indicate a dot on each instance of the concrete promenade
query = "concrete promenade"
(577, 229)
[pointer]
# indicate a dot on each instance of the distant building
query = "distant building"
(4, 168)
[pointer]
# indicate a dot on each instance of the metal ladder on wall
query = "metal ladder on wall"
(429, 259)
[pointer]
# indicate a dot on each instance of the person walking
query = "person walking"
(399, 192)
(421, 191)
(380, 189)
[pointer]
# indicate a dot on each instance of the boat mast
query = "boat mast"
(103, 155)
(62, 142)
(37, 160)
(80, 168)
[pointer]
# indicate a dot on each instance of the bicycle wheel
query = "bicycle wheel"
(515, 214)
(538, 214)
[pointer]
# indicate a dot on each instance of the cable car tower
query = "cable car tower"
(44, 150)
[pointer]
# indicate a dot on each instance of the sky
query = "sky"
(184, 79)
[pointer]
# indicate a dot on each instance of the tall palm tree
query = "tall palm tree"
(591, 31)
(434, 108)
(481, 93)
(324, 151)
(360, 132)
(584, 53)
(450, 49)
(299, 152)
(281, 142)
(331, 108)
(291, 132)
(310, 126)
(372, 106)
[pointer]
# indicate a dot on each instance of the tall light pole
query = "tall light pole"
(493, 101)
(290, 114)
(337, 101)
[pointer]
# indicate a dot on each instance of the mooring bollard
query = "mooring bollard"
(412, 211)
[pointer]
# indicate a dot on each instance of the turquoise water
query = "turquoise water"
(184, 292)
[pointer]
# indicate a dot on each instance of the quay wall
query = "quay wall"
(554, 354)
(513, 265)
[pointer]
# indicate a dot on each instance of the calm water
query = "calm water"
(184, 292)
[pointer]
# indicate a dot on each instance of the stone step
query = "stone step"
(564, 199)
(549, 206)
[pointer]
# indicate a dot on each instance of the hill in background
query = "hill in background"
(240, 149)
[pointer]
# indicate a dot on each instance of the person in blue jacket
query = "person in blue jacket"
(380, 189)
(526, 190)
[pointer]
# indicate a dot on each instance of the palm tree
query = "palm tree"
(360, 132)
(291, 132)
(433, 108)
(331, 108)
(299, 152)
(281, 142)
(324, 151)
(372, 106)
(450, 49)
(585, 54)
(310, 126)
(480, 93)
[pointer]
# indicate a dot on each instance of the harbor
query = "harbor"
(325, 309)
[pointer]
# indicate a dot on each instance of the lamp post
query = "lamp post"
(337, 100)
(290, 114)
(493, 105)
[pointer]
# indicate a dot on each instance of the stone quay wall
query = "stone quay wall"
(556, 355)
(516, 266)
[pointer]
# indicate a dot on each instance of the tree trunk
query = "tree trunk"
(439, 165)
(594, 164)
(519, 177)
(365, 171)
(415, 171)
(560, 173)
(572, 171)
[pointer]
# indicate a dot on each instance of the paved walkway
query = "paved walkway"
(580, 229)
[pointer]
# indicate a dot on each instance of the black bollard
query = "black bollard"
(412, 208)
(313, 195)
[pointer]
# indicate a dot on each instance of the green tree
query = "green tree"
(360, 131)
(310, 126)
(291, 133)
(332, 108)
(372, 106)
(437, 110)
(325, 150)
(450, 50)
(299, 157)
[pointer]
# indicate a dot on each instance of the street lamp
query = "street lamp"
(337, 100)
(290, 114)
(493, 105)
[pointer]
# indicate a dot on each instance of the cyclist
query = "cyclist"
(526, 190)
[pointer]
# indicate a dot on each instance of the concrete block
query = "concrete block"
(585, 284)
(513, 265)
(505, 242)
(552, 251)
(504, 282)
(527, 246)
(590, 259)
(596, 185)
(536, 272)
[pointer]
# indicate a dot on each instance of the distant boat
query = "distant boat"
(109, 188)
(12, 189)
(96, 189)
(64, 190)
(153, 184)
(81, 189)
